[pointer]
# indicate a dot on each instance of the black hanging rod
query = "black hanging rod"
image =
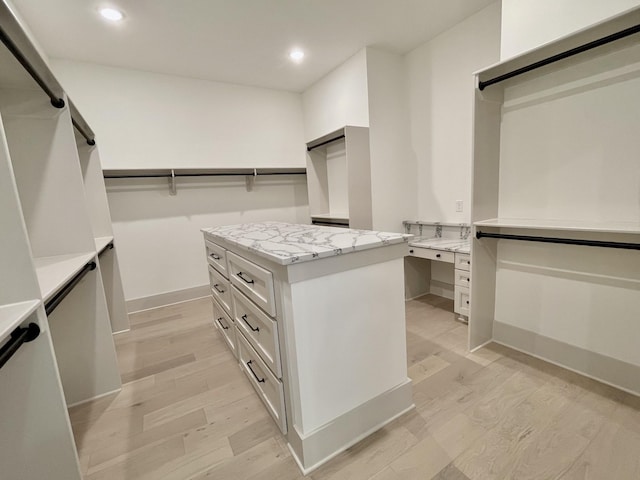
(561, 56)
(108, 246)
(18, 43)
(568, 241)
(81, 125)
(51, 305)
(326, 142)
(223, 173)
(19, 336)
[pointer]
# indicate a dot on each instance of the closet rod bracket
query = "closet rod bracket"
(250, 180)
(172, 183)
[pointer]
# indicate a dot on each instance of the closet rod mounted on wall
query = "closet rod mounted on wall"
(81, 125)
(18, 43)
(108, 246)
(561, 56)
(567, 241)
(51, 305)
(19, 336)
(322, 144)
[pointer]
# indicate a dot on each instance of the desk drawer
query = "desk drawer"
(220, 288)
(432, 254)
(225, 327)
(254, 281)
(462, 278)
(259, 329)
(461, 300)
(463, 261)
(269, 388)
(217, 257)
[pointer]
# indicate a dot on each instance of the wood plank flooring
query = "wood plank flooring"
(186, 411)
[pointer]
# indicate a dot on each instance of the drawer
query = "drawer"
(269, 388)
(225, 326)
(461, 300)
(260, 330)
(254, 281)
(462, 278)
(431, 254)
(217, 257)
(220, 288)
(463, 261)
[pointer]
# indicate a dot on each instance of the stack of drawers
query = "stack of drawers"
(462, 265)
(244, 310)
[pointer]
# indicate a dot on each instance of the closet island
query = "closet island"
(315, 316)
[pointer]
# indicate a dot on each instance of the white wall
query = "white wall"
(393, 165)
(158, 237)
(340, 98)
(527, 24)
(150, 120)
(440, 87)
(146, 119)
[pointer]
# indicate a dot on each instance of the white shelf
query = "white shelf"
(54, 272)
(13, 314)
(568, 225)
(102, 242)
(329, 216)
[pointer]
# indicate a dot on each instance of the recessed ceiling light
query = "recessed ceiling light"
(111, 14)
(296, 55)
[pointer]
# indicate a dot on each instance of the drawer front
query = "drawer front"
(431, 254)
(463, 278)
(217, 257)
(461, 300)
(220, 288)
(259, 329)
(254, 281)
(225, 326)
(269, 388)
(463, 261)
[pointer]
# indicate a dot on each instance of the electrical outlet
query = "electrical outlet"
(458, 205)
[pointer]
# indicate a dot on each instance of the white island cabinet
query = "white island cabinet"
(319, 326)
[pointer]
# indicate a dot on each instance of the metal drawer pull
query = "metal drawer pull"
(468, 262)
(239, 274)
(216, 287)
(261, 380)
(467, 302)
(244, 317)
(222, 324)
(438, 255)
(214, 256)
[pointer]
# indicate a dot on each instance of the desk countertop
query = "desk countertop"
(456, 245)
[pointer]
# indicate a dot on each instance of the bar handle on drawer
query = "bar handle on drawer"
(222, 324)
(216, 287)
(240, 274)
(261, 380)
(214, 256)
(244, 318)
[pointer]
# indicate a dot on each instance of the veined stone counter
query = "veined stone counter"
(287, 243)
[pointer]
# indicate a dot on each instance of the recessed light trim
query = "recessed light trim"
(111, 14)
(296, 55)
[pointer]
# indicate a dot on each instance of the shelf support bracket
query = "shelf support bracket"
(250, 179)
(172, 183)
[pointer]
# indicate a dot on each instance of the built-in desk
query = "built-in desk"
(449, 250)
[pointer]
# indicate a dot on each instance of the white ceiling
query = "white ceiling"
(238, 41)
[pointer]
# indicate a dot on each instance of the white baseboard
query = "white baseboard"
(168, 298)
(611, 371)
(441, 289)
(315, 448)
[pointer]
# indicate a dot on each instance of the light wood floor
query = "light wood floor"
(187, 412)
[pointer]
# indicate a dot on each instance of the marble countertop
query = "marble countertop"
(457, 245)
(287, 243)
